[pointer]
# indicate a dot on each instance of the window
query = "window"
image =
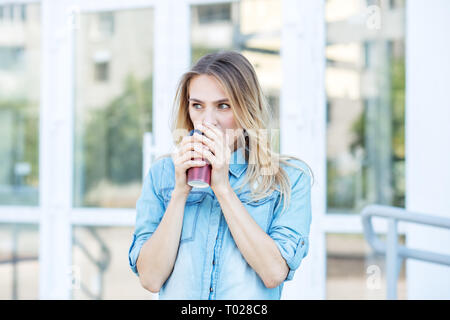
(13, 12)
(113, 107)
(214, 13)
(365, 88)
(106, 23)
(19, 104)
(102, 71)
(11, 57)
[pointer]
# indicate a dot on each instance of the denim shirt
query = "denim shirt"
(209, 265)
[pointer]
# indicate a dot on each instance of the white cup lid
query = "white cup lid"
(198, 184)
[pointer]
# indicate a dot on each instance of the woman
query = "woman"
(245, 234)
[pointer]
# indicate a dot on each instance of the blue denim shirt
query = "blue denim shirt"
(209, 265)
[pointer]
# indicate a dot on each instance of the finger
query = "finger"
(213, 128)
(193, 163)
(215, 140)
(181, 155)
(192, 155)
(185, 140)
(205, 141)
(219, 140)
(198, 152)
(208, 132)
(194, 146)
(205, 153)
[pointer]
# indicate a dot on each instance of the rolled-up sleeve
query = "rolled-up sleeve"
(290, 227)
(149, 212)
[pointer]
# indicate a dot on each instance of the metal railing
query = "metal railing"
(393, 251)
(102, 263)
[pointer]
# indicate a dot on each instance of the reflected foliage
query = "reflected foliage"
(341, 191)
(113, 136)
(19, 152)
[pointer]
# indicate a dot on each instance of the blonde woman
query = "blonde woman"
(247, 232)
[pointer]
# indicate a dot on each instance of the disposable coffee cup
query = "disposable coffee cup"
(199, 177)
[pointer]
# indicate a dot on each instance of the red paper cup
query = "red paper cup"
(199, 177)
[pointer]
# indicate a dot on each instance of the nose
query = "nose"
(210, 117)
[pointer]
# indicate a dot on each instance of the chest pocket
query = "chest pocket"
(261, 210)
(191, 212)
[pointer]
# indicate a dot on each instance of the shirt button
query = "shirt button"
(211, 289)
(214, 262)
(303, 242)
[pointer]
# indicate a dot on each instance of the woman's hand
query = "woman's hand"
(181, 157)
(218, 154)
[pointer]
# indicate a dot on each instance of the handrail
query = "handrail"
(102, 263)
(393, 251)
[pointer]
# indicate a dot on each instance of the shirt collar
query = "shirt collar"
(238, 164)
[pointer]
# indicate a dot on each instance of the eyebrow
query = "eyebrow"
(200, 101)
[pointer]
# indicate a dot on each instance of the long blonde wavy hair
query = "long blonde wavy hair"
(252, 113)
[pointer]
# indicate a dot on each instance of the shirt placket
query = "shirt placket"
(213, 232)
(216, 259)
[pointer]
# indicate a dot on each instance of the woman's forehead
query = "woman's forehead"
(206, 88)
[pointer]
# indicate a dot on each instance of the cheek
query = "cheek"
(227, 122)
(194, 118)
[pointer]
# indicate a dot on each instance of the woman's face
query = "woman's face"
(209, 103)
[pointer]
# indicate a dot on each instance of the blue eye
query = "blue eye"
(222, 106)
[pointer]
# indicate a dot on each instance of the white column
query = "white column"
(302, 127)
(161, 63)
(172, 57)
(428, 140)
(55, 151)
